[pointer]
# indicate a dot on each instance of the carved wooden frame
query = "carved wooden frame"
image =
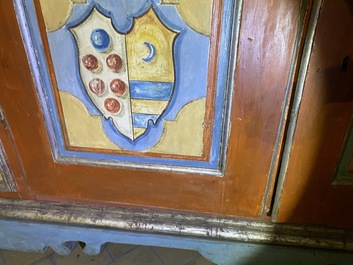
(230, 22)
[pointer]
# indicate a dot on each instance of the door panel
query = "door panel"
(310, 194)
(151, 110)
(268, 32)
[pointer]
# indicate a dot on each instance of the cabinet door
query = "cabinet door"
(170, 104)
(317, 185)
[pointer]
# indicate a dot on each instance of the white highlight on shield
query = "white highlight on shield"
(82, 32)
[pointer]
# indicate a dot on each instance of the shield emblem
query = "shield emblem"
(129, 76)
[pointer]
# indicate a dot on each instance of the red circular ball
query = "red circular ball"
(112, 105)
(118, 87)
(90, 62)
(97, 86)
(114, 62)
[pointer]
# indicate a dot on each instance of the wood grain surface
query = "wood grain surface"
(324, 116)
(267, 36)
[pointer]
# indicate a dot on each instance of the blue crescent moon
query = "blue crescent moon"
(152, 53)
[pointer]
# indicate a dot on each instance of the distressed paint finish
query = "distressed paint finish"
(97, 82)
(254, 111)
(3, 186)
(267, 39)
(197, 14)
(7, 183)
(320, 124)
(153, 51)
(183, 224)
(190, 87)
(152, 41)
(189, 121)
(62, 240)
(96, 226)
(56, 13)
(148, 28)
(79, 125)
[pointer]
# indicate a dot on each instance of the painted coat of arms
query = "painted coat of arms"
(129, 77)
(128, 81)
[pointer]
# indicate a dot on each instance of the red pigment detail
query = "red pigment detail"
(97, 86)
(118, 87)
(90, 62)
(112, 105)
(114, 62)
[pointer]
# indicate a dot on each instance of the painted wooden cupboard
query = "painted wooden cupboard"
(318, 165)
(221, 119)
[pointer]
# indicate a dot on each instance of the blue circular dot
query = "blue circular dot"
(100, 40)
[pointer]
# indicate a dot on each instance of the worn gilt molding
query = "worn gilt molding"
(276, 157)
(7, 182)
(297, 99)
(179, 224)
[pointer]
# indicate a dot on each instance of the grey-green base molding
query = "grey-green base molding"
(34, 226)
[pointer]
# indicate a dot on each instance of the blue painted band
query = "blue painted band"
(141, 120)
(151, 90)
